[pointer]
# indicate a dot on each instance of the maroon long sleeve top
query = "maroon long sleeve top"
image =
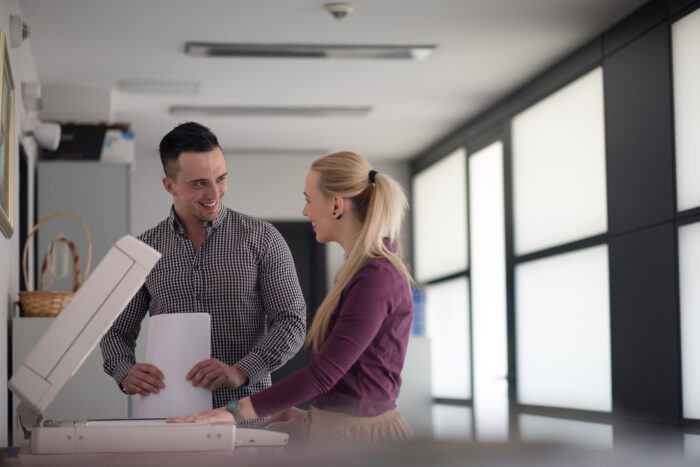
(357, 369)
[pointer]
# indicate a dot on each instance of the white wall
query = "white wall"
(23, 69)
(70, 103)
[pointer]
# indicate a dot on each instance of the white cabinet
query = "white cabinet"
(415, 401)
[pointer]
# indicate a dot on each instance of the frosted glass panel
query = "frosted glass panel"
(488, 277)
(440, 218)
(451, 422)
(686, 93)
(689, 269)
(559, 191)
(691, 446)
(447, 326)
(563, 330)
(572, 432)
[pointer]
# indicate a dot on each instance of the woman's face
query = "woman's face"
(319, 209)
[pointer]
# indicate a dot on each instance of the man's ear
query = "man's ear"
(168, 184)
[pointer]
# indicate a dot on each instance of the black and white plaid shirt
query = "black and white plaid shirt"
(242, 274)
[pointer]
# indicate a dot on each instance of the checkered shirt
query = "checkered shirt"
(242, 274)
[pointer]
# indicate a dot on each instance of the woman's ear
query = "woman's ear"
(338, 206)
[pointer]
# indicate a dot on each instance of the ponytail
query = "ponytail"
(380, 204)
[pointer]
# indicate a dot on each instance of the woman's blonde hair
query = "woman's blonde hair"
(380, 206)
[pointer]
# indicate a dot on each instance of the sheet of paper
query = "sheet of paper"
(176, 342)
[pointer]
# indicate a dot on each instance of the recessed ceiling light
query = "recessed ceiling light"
(385, 52)
(237, 111)
(260, 151)
(157, 86)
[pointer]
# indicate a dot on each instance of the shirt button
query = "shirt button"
(198, 297)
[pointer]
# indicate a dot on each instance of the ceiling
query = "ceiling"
(485, 49)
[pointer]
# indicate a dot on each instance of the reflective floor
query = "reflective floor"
(454, 424)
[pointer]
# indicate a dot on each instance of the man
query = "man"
(217, 261)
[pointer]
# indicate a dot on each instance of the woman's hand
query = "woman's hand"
(292, 421)
(220, 415)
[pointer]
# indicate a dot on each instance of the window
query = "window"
(686, 76)
(440, 218)
(447, 324)
(563, 330)
(689, 276)
(488, 280)
(452, 422)
(559, 192)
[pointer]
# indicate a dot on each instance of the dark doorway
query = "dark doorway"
(310, 262)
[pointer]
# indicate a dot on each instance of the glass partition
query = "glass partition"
(562, 306)
(440, 218)
(447, 326)
(559, 191)
(686, 92)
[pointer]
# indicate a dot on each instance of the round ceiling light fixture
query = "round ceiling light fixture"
(339, 10)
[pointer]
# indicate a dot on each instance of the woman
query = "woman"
(360, 332)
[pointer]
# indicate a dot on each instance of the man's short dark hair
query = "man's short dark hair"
(186, 137)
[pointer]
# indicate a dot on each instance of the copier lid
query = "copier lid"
(79, 327)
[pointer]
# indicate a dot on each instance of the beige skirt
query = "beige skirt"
(325, 426)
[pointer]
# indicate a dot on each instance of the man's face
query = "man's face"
(198, 185)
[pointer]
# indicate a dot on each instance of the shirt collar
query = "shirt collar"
(177, 226)
(216, 223)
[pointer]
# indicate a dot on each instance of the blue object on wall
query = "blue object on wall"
(418, 325)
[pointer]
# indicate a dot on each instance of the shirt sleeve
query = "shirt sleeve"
(358, 320)
(285, 306)
(119, 343)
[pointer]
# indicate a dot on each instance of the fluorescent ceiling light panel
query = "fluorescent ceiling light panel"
(381, 52)
(236, 111)
(158, 86)
(262, 151)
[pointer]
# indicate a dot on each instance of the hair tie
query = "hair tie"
(372, 173)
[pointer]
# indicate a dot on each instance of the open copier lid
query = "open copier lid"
(79, 327)
(66, 344)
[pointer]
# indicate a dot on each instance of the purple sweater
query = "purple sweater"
(357, 369)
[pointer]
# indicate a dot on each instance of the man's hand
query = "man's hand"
(143, 379)
(213, 373)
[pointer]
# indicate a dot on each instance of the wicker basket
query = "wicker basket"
(47, 302)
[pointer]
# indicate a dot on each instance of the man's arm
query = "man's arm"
(284, 304)
(119, 343)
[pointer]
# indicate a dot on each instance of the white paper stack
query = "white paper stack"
(176, 343)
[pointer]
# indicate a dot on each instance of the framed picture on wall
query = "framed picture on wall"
(7, 141)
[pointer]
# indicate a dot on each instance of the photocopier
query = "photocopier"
(67, 343)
